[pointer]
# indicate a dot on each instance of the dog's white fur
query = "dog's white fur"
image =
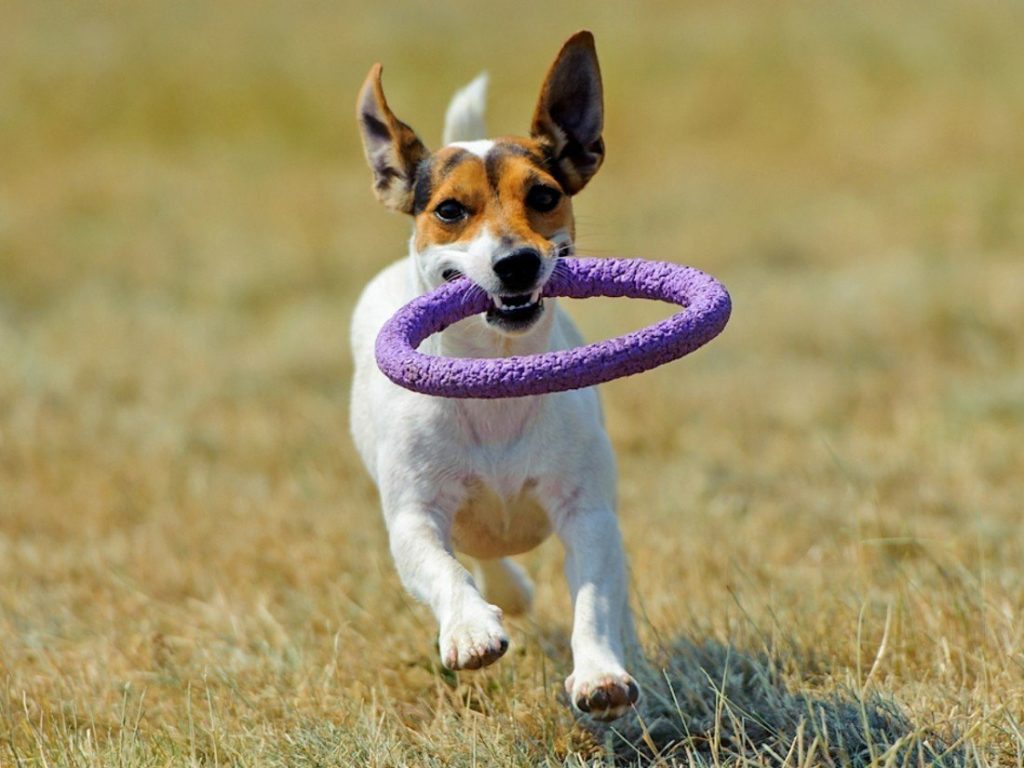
(492, 477)
(464, 120)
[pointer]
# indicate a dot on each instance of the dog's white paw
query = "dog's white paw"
(603, 696)
(473, 639)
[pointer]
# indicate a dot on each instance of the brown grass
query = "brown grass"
(823, 508)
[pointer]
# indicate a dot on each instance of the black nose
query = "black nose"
(518, 270)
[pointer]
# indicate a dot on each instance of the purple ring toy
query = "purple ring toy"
(707, 311)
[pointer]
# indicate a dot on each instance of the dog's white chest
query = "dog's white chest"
(488, 526)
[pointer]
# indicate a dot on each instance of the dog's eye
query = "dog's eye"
(543, 198)
(450, 211)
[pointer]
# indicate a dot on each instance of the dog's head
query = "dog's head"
(498, 211)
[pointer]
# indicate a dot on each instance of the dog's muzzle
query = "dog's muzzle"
(515, 313)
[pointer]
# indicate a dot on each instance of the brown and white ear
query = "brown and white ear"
(570, 114)
(392, 148)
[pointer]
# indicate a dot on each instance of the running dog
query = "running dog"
(494, 478)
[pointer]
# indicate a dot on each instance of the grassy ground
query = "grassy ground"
(823, 508)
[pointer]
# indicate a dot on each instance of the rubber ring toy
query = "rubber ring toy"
(707, 309)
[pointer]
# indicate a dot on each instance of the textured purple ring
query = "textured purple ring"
(707, 307)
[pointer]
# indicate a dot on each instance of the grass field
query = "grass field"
(823, 509)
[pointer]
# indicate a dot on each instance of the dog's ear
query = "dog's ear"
(570, 113)
(392, 148)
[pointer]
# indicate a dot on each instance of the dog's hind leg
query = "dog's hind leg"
(504, 582)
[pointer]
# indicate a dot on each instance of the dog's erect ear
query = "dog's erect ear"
(570, 113)
(392, 148)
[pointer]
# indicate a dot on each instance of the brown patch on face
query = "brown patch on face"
(495, 192)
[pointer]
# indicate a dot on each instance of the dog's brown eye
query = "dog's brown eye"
(542, 198)
(450, 211)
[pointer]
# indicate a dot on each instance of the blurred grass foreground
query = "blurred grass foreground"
(822, 508)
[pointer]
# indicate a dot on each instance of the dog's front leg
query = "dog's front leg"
(471, 634)
(596, 570)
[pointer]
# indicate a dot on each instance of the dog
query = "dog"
(493, 478)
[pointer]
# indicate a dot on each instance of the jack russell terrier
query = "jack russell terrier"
(493, 478)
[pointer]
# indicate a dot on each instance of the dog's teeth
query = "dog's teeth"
(535, 296)
(498, 302)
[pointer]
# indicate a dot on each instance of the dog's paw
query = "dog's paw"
(472, 641)
(604, 696)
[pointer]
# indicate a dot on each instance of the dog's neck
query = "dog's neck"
(488, 422)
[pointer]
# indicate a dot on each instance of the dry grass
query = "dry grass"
(192, 565)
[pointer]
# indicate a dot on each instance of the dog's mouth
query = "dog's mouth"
(515, 313)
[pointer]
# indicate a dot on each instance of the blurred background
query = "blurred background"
(192, 562)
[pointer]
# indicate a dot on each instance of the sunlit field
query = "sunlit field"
(823, 508)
